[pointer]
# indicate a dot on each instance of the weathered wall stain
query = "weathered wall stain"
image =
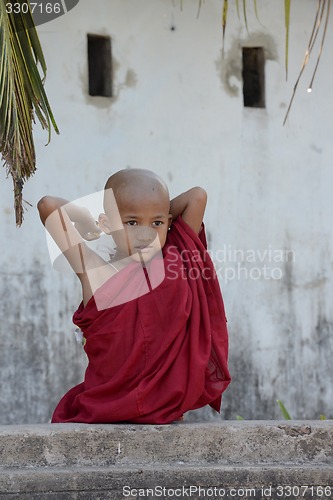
(131, 79)
(128, 81)
(37, 360)
(229, 67)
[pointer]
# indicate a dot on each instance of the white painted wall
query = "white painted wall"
(179, 111)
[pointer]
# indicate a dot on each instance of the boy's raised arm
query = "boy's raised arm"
(191, 206)
(57, 215)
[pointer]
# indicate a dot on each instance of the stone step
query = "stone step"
(238, 459)
(229, 442)
(179, 481)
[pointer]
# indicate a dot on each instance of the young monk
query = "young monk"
(152, 317)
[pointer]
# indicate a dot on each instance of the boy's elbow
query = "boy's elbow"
(201, 192)
(45, 207)
(200, 195)
(41, 203)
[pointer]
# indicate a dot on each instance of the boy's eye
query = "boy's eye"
(156, 223)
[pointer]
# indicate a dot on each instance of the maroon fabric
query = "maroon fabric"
(159, 355)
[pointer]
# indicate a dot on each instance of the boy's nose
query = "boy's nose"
(145, 234)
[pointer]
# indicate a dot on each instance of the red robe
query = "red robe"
(157, 356)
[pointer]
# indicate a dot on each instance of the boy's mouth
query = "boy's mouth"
(143, 248)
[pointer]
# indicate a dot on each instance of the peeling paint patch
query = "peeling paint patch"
(131, 79)
(229, 68)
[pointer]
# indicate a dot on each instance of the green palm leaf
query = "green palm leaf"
(224, 21)
(22, 96)
(287, 4)
(245, 15)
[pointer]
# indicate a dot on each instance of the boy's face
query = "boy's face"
(146, 219)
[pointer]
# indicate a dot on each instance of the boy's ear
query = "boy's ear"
(170, 220)
(104, 223)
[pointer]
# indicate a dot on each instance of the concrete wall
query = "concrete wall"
(178, 110)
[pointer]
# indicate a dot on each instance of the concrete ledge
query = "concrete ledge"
(110, 482)
(77, 461)
(231, 442)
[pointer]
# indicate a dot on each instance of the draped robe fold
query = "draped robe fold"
(157, 356)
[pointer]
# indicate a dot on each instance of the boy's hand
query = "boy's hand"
(87, 226)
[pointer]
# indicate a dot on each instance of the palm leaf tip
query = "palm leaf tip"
(224, 22)
(287, 4)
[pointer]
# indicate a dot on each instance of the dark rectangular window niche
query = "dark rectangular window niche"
(99, 65)
(253, 77)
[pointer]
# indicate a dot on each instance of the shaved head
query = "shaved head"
(146, 179)
(136, 184)
(141, 199)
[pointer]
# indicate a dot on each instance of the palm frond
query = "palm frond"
(287, 4)
(224, 22)
(256, 9)
(199, 8)
(321, 45)
(245, 15)
(321, 5)
(22, 96)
